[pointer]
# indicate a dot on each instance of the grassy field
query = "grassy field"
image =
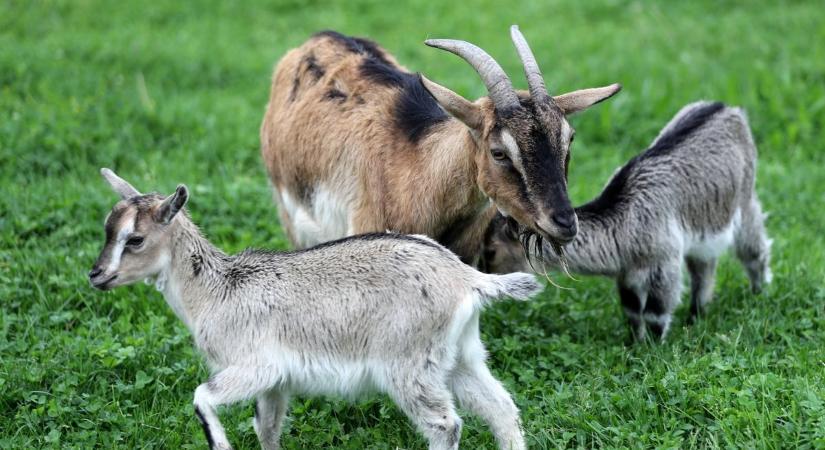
(169, 92)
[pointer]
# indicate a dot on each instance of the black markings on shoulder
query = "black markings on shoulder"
(308, 64)
(383, 73)
(197, 263)
(205, 426)
(335, 95)
(357, 45)
(239, 272)
(296, 84)
(312, 67)
(416, 111)
(615, 192)
(686, 125)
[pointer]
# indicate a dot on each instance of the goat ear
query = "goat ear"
(459, 107)
(575, 101)
(172, 205)
(121, 186)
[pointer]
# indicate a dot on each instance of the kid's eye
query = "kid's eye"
(134, 241)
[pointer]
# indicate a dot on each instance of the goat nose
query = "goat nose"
(95, 272)
(563, 220)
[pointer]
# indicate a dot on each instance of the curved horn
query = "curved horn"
(538, 91)
(498, 84)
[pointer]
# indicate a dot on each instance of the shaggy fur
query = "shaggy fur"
(379, 312)
(355, 143)
(687, 198)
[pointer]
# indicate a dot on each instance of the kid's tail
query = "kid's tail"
(517, 285)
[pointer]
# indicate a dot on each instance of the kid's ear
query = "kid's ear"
(119, 185)
(172, 204)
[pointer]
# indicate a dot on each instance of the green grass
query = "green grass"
(169, 92)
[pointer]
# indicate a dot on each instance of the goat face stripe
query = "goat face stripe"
(128, 226)
(511, 146)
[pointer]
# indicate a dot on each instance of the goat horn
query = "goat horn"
(498, 84)
(535, 82)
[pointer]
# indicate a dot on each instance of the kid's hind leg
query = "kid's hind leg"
(478, 391)
(702, 277)
(753, 247)
(425, 399)
(269, 415)
(230, 385)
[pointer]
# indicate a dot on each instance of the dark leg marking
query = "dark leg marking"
(657, 330)
(205, 426)
(455, 435)
(695, 313)
(632, 305)
(654, 304)
(629, 299)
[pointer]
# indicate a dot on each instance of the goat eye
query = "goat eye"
(498, 155)
(135, 241)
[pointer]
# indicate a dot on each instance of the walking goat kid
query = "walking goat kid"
(355, 143)
(385, 312)
(688, 198)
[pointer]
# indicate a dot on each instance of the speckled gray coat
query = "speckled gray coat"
(687, 198)
(378, 312)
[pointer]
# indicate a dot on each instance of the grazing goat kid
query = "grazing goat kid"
(355, 143)
(385, 312)
(688, 198)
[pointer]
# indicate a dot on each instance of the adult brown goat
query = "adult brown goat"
(355, 143)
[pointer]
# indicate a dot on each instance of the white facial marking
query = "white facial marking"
(566, 131)
(513, 152)
(120, 241)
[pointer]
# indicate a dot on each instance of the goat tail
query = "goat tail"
(517, 285)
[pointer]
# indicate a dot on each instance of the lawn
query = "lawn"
(169, 92)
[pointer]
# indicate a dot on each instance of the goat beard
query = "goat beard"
(532, 244)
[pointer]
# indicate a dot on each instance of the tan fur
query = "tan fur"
(351, 146)
(401, 186)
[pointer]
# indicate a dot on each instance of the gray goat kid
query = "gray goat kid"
(688, 197)
(387, 312)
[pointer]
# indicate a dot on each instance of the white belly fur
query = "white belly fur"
(327, 219)
(711, 246)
